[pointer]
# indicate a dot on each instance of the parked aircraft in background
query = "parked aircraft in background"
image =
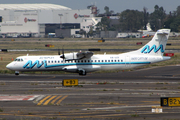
(84, 62)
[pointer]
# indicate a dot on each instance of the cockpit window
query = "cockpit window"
(18, 59)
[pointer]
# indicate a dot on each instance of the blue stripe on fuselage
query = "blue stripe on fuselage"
(30, 65)
(108, 63)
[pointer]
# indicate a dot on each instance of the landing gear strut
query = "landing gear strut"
(82, 72)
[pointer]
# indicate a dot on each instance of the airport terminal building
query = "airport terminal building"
(37, 20)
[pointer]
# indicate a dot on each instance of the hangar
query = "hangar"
(37, 20)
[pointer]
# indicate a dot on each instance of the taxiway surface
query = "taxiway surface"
(122, 95)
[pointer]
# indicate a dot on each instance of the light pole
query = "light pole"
(60, 20)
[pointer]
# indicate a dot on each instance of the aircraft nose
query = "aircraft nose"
(9, 66)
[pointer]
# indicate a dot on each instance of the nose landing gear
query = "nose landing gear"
(16, 72)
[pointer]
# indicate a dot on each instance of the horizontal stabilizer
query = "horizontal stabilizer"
(163, 32)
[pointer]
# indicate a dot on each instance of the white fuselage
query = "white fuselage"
(96, 62)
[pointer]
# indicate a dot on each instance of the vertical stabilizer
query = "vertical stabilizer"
(156, 46)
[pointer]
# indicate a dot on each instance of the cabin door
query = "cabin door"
(128, 61)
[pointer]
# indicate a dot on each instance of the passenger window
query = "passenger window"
(95, 61)
(105, 60)
(102, 60)
(98, 60)
(21, 59)
(114, 60)
(91, 60)
(82, 61)
(121, 60)
(108, 60)
(61, 61)
(48, 61)
(88, 60)
(111, 60)
(51, 61)
(55, 61)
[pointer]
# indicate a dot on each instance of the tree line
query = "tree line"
(134, 20)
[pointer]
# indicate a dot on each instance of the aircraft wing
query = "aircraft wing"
(78, 56)
(86, 54)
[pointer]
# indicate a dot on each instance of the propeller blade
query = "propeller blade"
(59, 52)
(62, 56)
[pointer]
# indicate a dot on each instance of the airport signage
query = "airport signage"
(70, 82)
(170, 101)
(29, 20)
(169, 54)
(76, 15)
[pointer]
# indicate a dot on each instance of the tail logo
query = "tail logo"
(147, 49)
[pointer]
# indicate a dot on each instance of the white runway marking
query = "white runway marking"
(118, 107)
(17, 97)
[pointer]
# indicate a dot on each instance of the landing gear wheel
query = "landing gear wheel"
(82, 72)
(16, 72)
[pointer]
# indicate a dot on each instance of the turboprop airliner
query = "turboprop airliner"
(84, 62)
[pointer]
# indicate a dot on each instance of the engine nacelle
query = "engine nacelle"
(76, 56)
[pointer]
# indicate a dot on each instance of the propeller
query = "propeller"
(59, 52)
(62, 56)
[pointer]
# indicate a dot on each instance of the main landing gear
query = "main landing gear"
(82, 72)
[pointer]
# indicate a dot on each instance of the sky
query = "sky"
(116, 5)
